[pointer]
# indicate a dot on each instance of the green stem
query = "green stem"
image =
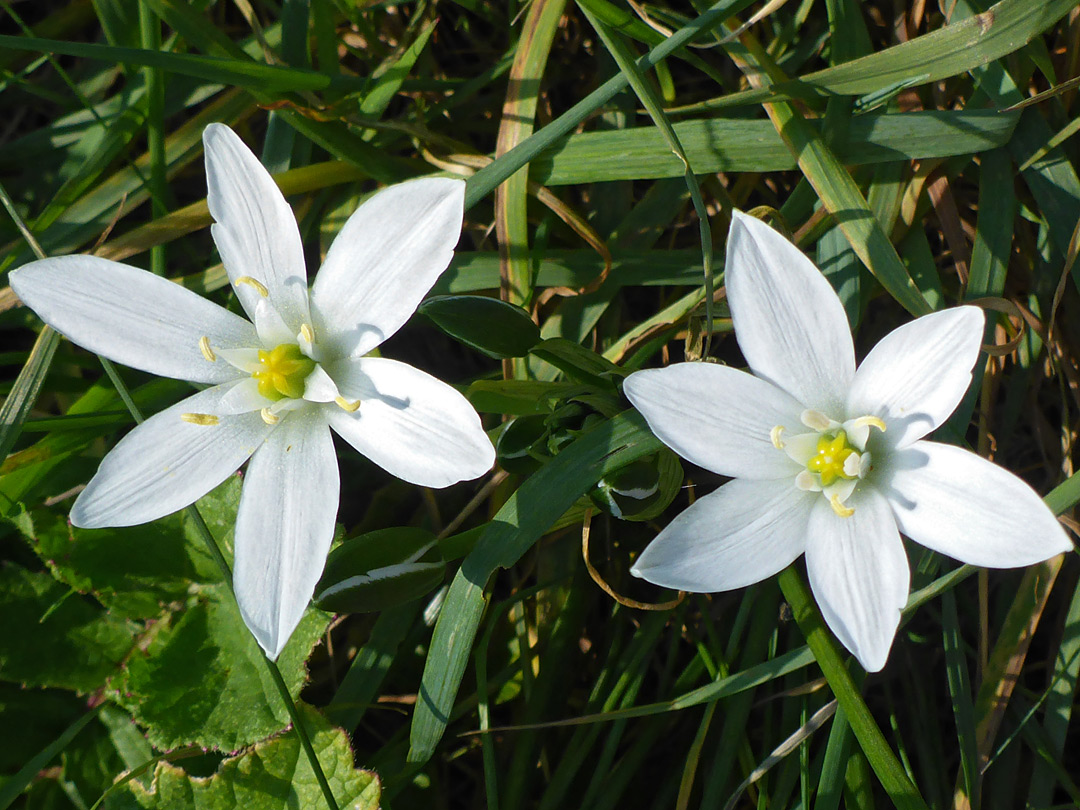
(889, 771)
(150, 37)
(215, 551)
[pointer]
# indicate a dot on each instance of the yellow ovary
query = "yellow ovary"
(282, 372)
(828, 461)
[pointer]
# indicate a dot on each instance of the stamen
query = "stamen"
(268, 417)
(251, 282)
(204, 419)
(307, 333)
(839, 508)
(345, 405)
(869, 421)
(853, 466)
(816, 420)
(807, 482)
(207, 352)
(775, 434)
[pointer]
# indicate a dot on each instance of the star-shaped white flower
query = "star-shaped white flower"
(280, 381)
(830, 461)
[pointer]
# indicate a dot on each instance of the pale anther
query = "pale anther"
(308, 334)
(869, 421)
(776, 435)
(839, 508)
(207, 352)
(204, 419)
(268, 417)
(853, 465)
(260, 288)
(815, 420)
(345, 405)
(807, 482)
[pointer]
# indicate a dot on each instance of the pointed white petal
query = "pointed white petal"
(246, 360)
(954, 502)
(319, 387)
(166, 463)
(284, 527)
(409, 423)
(132, 316)
(859, 574)
(243, 397)
(718, 417)
(383, 261)
(791, 326)
(270, 325)
(743, 533)
(255, 230)
(916, 376)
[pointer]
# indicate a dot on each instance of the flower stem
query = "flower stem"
(889, 771)
(226, 573)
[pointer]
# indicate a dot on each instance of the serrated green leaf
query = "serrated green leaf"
(54, 637)
(274, 775)
(494, 327)
(198, 679)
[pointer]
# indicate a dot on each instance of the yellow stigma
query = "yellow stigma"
(207, 352)
(282, 372)
(345, 405)
(829, 460)
(204, 419)
(260, 288)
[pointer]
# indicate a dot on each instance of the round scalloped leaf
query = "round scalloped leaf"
(53, 637)
(201, 679)
(274, 775)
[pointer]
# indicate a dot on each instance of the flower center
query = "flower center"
(835, 458)
(833, 455)
(282, 372)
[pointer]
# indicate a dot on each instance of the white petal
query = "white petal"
(165, 463)
(243, 397)
(409, 423)
(271, 326)
(859, 574)
(718, 417)
(255, 230)
(132, 316)
(743, 533)
(284, 527)
(954, 502)
(791, 326)
(386, 257)
(320, 387)
(916, 376)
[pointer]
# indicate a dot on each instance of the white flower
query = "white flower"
(830, 461)
(279, 381)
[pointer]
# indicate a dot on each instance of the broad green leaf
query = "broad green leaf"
(379, 570)
(54, 637)
(520, 397)
(494, 327)
(745, 145)
(273, 775)
(197, 678)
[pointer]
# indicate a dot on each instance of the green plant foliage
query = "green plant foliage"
(272, 775)
(55, 637)
(494, 327)
(380, 570)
